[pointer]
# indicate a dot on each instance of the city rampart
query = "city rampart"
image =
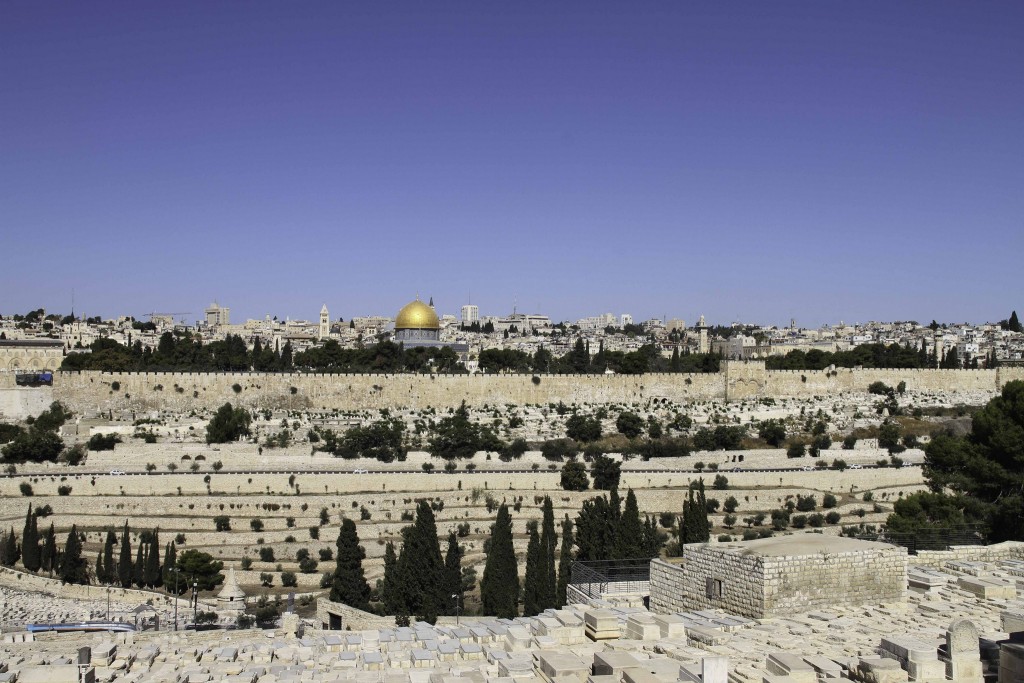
(91, 391)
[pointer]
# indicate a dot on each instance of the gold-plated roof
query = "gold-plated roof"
(417, 316)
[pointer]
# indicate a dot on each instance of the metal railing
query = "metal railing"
(943, 538)
(595, 578)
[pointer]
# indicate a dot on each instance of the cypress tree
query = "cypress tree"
(1013, 324)
(652, 542)
(139, 568)
(171, 579)
(629, 531)
(391, 595)
(11, 552)
(548, 543)
(499, 588)
(49, 553)
(109, 567)
(533, 578)
(564, 562)
(124, 564)
(151, 573)
(349, 583)
(695, 527)
(420, 567)
(73, 567)
(453, 571)
(30, 556)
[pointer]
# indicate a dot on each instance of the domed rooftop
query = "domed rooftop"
(417, 316)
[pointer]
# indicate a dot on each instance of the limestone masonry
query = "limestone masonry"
(738, 380)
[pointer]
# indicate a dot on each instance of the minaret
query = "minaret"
(938, 349)
(702, 328)
(325, 323)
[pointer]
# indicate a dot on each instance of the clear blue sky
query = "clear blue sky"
(765, 160)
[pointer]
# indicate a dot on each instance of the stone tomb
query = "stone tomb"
(779, 576)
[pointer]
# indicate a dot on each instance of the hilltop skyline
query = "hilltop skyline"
(804, 161)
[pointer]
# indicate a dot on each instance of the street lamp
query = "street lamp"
(455, 596)
(108, 603)
(195, 603)
(176, 571)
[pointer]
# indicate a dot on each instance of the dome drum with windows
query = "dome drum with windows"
(417, 322)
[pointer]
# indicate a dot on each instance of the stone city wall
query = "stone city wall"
(87, 392)
(20, 403)
(352, 619)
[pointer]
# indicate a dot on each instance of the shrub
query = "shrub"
(63, 490)
(326, 579)
(364, 514)
(721, 482)
(729, 520)
(731, 504)
(829, 501)
(314, 532)
(796, 450)
(222, 523)
(817, 520)
(711, 505)
(839, 465)
(428, 467)
(25, 488)
(290, 522)
(308, 565)
(724, 538)
(324, 517)
(667, 519)
(256, 524)
(798, 521)
(246, 563)
(849, 442)
(266, 554)
(833, 517)
(289, 580)
(750, 535)
(266, 579)
(806, 503)
(217, 466)
(289, 539)
(103, 442)
(326, 554)
(574, 477)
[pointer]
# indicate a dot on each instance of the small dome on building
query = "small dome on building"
(417, 316)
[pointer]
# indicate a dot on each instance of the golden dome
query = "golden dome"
(417, 316)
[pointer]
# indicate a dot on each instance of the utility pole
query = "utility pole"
(176, 571)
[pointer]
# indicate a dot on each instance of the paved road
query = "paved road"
(156, 473)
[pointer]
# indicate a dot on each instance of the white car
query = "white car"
(116, 473)
(360, 470)
(855, 467)
(807, 468)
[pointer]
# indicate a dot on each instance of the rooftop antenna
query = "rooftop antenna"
(72, 303)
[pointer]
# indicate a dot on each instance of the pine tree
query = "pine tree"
(30, 554)
(499, 588)
(349, 583)
(49, 553)
(548, 543)
(73, 567)
(453, 571)
(1013, 324)
(109, 575)
(564, 562)
(629, 531)
(151, 573)
(124, 564)
(535, 573)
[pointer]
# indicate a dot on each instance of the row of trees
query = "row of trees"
(181, 352)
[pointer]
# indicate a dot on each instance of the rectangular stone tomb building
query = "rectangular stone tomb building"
(780, 575)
